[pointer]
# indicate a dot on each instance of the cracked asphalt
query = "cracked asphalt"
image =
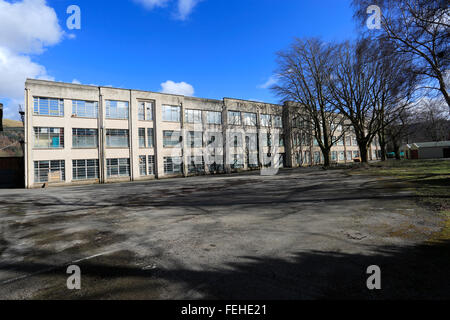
(303, 234)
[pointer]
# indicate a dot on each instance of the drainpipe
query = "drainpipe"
(101, 151)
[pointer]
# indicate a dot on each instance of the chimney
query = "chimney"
(1, 117)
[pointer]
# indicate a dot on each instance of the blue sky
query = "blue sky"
(217, 48)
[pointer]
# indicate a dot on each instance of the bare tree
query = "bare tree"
(419, 29)
(303, 73)
(397, 130)
(434, 119)
(355, 91)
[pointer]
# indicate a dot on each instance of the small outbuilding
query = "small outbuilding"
(427, 150)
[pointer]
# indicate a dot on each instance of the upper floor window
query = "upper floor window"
(145, 111)
(116, 109)
(194, 139)
(277, 122)
(171, 138)
(214, 117)
(48, 138)
(193, 116)
(84, 109)
(250, 119)
(49, 107)
(234, 117)
(266, 120)
(84, 138)
(171, 113)
(117, 138)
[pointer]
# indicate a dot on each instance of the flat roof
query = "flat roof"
(76, 85)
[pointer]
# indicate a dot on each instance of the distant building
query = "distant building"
(427, 150)
(1, 117)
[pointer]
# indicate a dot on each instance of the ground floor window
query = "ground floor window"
(355, 154)
(143, 165)
(349, 156)
(334, 155)
(85, 169)
(172, 165)
(118, 167)
(151, 165)
(341, 156)
(49, 171)
(196, 164)
(237, 161)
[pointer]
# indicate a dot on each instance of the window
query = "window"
(84, 138)
(355, 142)
(116, 109)
(341, 156)
(316, 157)
(49, 171)
(151, 165)
(277, 122)
(340, 142)
(117, 138)
(118, 167)
(84, 109)
(349, 155)
(172, 165)
(266, 120)
(85, 169)
(250, 119)
(172, 139)
(267, 139)
(141, 137)
(143, 165)
(307, 157)
(281, 140)
(355, 154)
(237, 161)
(348, 141)
(48, 138)
(145, 111)
(171, 113)
(196, 164)
(193, 116)
(334, 155)
(234, 117)
(150, 138)
(195, 139)
(315, 142)
(214, 117)
(49, 107)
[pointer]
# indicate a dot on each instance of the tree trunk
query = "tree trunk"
(382, 142)
(326, 158)
(363, 151)
(397, 151)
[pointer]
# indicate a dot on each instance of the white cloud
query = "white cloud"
(75, 81)
(185, 8)
(14, 69)
(181, 88)
(150, 4)
(26, 27)
(270, 82)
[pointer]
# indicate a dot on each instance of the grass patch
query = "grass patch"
(428, 179)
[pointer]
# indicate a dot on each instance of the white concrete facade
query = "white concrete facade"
(238, 146)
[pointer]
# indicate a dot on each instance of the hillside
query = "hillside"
(7, 123)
